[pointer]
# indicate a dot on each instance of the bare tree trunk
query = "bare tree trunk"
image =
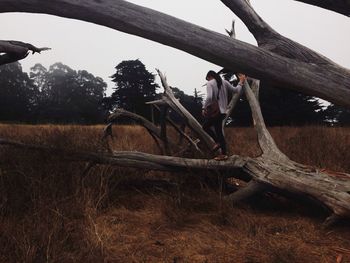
(325, 81)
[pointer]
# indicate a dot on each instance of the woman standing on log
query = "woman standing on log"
(215, 106)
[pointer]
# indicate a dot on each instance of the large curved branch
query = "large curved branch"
(121, 113)
(269, 39)
(266, 142)
(175, 105)
(182, 134)
(339, 6)
(324, 81)
(153, 130)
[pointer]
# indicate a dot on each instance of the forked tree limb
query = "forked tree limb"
(269, 39)
(279, 172)
(168, 100)
(266, 142)
(232, 32)
(324, 81)
(121, 113)
(191, 122)
(235, 98)
(286, 175)
(153, 130)
(181, 132)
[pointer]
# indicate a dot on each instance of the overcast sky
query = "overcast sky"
(98, 49)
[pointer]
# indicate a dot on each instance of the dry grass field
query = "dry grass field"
(51, 211)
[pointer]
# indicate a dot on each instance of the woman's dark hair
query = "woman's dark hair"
(216, 76)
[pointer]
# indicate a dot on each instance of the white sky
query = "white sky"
(98, 49)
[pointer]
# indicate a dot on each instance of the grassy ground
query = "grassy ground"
(51, 211)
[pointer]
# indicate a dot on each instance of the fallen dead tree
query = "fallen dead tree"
(277, 59)
(272, 171)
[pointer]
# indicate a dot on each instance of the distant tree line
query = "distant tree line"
(62, 95)
(55, 95)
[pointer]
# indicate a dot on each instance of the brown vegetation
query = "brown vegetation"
(51, 211)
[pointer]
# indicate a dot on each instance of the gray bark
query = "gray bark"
(191, 122)
(266, 142)
(325, 81)
(339, 6)
(302, 69)
(271, 40)
(168, 101)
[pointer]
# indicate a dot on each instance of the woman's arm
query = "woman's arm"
(209, 97)
(239, 86)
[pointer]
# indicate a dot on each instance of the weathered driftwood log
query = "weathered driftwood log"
(325, 81)
(15, 50)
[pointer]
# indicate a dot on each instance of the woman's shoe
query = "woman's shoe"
(221, 157)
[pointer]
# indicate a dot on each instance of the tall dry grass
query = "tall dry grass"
(51, 211)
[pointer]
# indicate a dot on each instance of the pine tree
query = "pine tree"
(134, 86)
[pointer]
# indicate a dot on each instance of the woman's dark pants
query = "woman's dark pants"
(218, 135)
